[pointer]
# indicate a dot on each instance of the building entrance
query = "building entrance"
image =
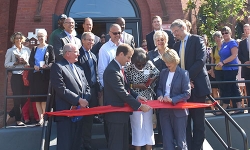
(104, 13)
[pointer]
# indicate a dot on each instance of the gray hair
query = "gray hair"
(217, 34)
(69, 47)
(160, 33)
(179, 23)
(85, 34)
(115, 25)
(42, 31)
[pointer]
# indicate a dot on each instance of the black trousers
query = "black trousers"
(69, 134)
(118, 136)
(18, 88)
(88, 120)
(196, 135)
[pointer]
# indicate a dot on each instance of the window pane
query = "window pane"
(101, 8)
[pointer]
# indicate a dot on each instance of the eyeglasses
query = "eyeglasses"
(224, 33)
(102, 36)
(115, 33)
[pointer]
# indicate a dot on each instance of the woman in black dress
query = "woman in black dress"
(41, 56)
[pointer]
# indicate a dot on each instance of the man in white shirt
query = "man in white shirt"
(108, 50)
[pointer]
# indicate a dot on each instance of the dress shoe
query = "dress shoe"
(19, 123)
(97, 120)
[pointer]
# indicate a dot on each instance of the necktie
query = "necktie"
(71, 38)
(75, 74)
(125, 80)
(92, 68)
(124, 77)
(183, 54)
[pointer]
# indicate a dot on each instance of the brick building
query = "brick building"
(28, 15)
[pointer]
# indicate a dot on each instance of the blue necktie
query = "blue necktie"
(92, 68)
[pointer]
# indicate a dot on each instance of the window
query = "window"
(101, 8)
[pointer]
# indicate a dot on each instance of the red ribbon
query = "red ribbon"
(126, 108)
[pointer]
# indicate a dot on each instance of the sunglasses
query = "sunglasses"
(102, 36)
(115, 33)
(224, 33)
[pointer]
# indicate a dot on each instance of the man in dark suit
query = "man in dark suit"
(157, 25)
(125, 37)
(192, 51)
(68, 36)
(87, 60)
(71, 89)
(244, 57)
(117, 93)
(87, 27)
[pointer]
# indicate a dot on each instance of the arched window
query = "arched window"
(101, 8)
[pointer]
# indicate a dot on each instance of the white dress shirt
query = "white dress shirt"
(106, 55)
(10, 58)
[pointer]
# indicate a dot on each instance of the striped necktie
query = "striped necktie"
(92, 68)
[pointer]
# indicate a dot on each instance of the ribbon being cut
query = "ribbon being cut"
(126, 108)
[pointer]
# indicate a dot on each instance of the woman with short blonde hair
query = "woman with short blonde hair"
(174, 87)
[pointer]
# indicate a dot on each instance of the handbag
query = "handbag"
(25, 77)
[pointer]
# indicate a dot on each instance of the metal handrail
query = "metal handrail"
(228, 119)
(6, 96)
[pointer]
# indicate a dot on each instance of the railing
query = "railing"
(6, 96)
(228, 119)
(46, 131)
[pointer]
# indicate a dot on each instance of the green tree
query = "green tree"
(213, 14)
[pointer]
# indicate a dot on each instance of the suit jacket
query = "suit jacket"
(157, 61)
(115, 93)
(150, 40)
(49, 57)
(59, 41)
(83, 62)
(195, 58)
(128, 39)
(67, 89)
(243, 55)
(180, 89)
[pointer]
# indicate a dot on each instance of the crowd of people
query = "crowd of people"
(89, 71)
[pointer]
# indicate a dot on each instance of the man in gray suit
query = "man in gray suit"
(125, 37)
(68, 36)
(192, 51)
(71, 89)
(117, 92)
